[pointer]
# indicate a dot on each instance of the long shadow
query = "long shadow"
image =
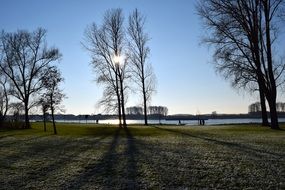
(23, 140)
(27, 147)
(102, 171)
(40, 173)
(162, 168)
(243, 148)
(114, 170)
(179, 168)
(131, 153)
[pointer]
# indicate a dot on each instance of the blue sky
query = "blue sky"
(187, 81)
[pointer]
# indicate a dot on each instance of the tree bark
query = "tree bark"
(273, 91)
(123, 102)
(263, 107)
(45, 128)
(119, 101)
(144, 102)
(273, 114)
(52, 115)
(53, 122)
(145, 109)
(27, 121)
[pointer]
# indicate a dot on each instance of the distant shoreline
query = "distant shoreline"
(181, 117)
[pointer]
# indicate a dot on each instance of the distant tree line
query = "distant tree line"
(160, 110)
(26, 67)
(152, 110)
(256, 107)
(135, 110)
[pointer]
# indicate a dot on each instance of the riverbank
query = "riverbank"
(104, 156)
(171, 122)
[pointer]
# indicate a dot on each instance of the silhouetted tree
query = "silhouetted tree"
(254, 107)
(139, 54)
(280, 106)
(24, 56)
(214, 114)
(53, 95)
(135, 110)
(44, 104)
(16, 109)
(86, 118)
(243, 33)
(107, 47)
(4, 97)
(158, 110)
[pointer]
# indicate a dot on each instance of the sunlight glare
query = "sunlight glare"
(118, 59)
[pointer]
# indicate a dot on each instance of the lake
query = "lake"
(173, 122)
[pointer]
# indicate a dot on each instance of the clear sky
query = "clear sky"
(187, 81)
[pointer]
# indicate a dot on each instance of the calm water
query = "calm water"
(174, 122)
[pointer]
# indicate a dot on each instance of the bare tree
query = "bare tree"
(107, 47)
(139, 54)
(16, 109)
(44, 104)
(135, 110)
(158, 110)
(53, 95)
(25, 55)
(254, 107)
(280, 106)
(4, 97)
(243, 33)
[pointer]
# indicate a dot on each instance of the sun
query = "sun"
(118, 59)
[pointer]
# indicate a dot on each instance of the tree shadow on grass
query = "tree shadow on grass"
(164, 166)
(237, 146)
(125, 162)
(45, 160)
(21, 140)
(100, 171)
(180, 167)
(19, 150)
(131, 153)
(117, 168)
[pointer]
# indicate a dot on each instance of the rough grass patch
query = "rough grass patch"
(155, 157)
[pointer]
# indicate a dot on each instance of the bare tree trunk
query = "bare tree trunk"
(273, 92)
(273, 114)
(53, 122)
(263, 106)
(6, 107)
(119, 101)
(6, 101)
(27, 121)
(45, 128)
(52, 114)
(144, 104)
(1, 118)
(263, 110)
(270, 94)
(123, 102)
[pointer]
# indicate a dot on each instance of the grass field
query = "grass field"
(155, 157)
